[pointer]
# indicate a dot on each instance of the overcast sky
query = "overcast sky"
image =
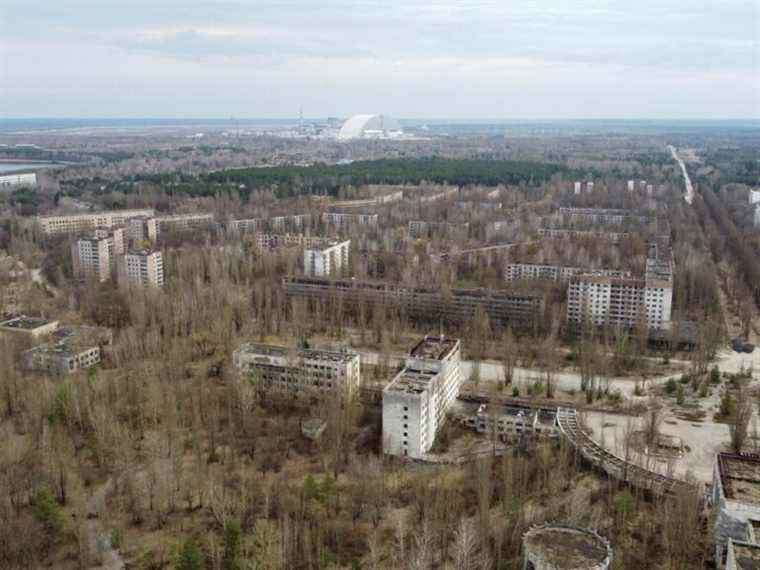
(408, 58)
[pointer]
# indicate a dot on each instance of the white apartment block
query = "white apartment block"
(757, 216)
(144, 268)
(577, 188)
(294, 372)
(96, 256)
(754, 197)
(327, 261)
(417, 399)
(142, 229)
(631, 185)
(86, 222)
(20, 179)
(183, 222)
(342, 220)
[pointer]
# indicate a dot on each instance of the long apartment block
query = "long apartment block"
(277, 370)
(458, 305)
(342, 220)
(85, 222)
(557, 273)
(330, 259)
(415, 402)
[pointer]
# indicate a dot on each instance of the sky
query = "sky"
(479, 59)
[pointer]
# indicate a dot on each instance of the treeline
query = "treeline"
(289, 181)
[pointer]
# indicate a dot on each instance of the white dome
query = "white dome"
(369, 126)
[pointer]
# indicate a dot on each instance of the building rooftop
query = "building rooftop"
(567, 547)
(740, 477)
(434, 347)
(746, 555)
(24, 323)
(306, 353)
(411, 381)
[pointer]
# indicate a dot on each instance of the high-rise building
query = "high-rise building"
(577, 188)
(96, 255)
(757, 216)
(417, 399)
(142, 229)
(631, 185)
(144, 268)
(86, 222)
(754, 197)
(327, 261)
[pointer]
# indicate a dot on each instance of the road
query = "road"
(689, 196)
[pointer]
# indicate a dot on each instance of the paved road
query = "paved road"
(689, 196)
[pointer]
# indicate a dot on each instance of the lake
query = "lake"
(14, 166)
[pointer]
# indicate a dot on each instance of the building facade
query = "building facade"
(184, 222)
(19, 179)
(344, 220)
(96, 256)
(87, 222)
(144, 268)
(327, 261)
(417, 399)
(277, 370)
(142, 229)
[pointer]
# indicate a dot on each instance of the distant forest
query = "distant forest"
(289, 181)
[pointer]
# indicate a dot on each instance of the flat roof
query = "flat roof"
(434, 347)
(566, 547)
(310, 353)
(411, 381)
(25, 323)
(740, 477)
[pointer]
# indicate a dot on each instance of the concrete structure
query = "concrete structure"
(299, 372)
(577, 188)
(735, 495)
(559, 233)
(423, 229)
(144, 268)
(557, 273)
(344, 220)
(602, 216)
(275, 241)
(96, 256)
(142, 229)
(184, 222)
(754, 197)
(382, 198)
(32, 326)
(417, 399)
(71, 348)
(87, 222)
(245, 226)
(625, 301)
(370, 127)
(426, 304)
(631, 185)
(756, 219)
(561, 547)
(295, 222)
(18, 179)
(327, 261)
(510, 422)
(742, 555)
(447, 192)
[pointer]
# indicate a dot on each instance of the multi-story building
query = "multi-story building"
(625, 301)
(144, 268)
(344, 220)
(18, 179)
(428, 304)
(756, 219)
(327, 261)
(448, 192)
(299, 372)
(96, 256)
(294, 222)
(184, 222)
(423, 229)
(85, 222)
(560, 233)
(245, 226)
(34, 327)
(754, 197)
(70, 349)
(417, 399)
(275, 241)
(559, 273)
(735, 496)
(600, 216)
(142, 229)
(386, 198)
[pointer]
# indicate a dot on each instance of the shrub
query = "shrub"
(670, 386)
(715, 375)
(727, 404)
(680, 394)
(48, 512)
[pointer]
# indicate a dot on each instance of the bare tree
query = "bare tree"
(739, 428)
(509, 353)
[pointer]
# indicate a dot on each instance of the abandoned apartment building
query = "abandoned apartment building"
(69, 349)
(33, 327)
(290, 372)
(415, 402)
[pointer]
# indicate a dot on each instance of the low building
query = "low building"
(144, 268)
(330, 260)
(735, 495)
(96, 256)
(279, 371)
(417, 399)
(34, 327)
(71, 348)
(512, 421)
(86, 222)
(18, 179)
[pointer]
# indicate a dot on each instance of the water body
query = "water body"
(6, 167)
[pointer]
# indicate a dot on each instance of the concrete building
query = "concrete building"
(184, 222)
(299, 372)
(742, 555)
(602, 216)
(370, 127)
(275, 241)
(735, 495)
(417, 399)
(560, 233)
(558, 273)
(18, 179)
(754, 197)
(554, 547)
(33, 327)
(577, 188)
(344, 220)
(423, 229)
(631, 185)
(756, 219)
(96, 256)
(295, 222)
(386, 198)
(142, 229)
(71, 348)
(144, 268)
(245, 226)
(87, 222)
(510, 422)
(331, 260)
